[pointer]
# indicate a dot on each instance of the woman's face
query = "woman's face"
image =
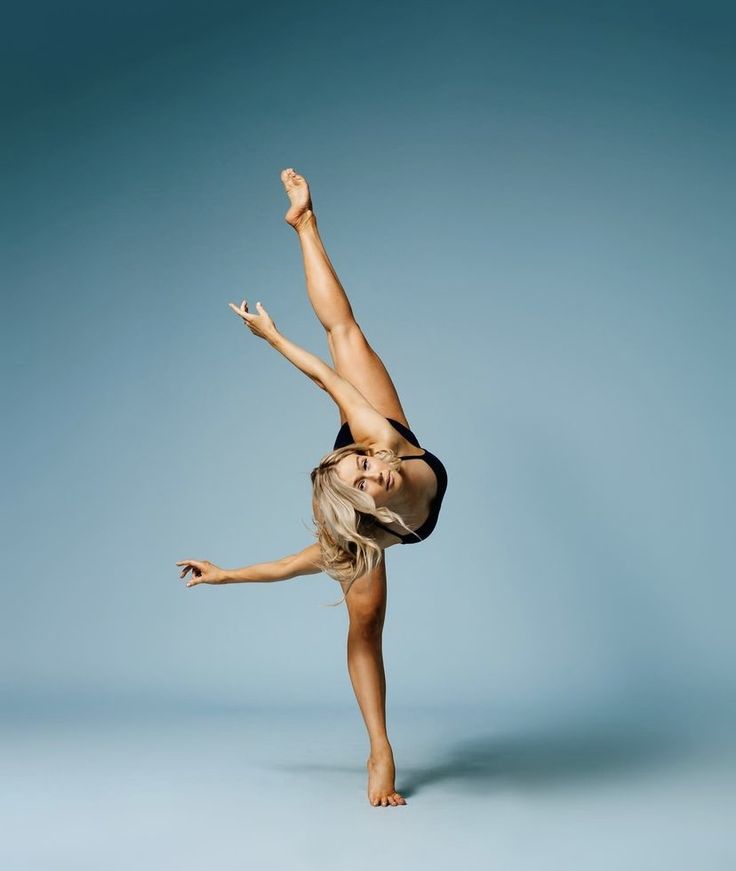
(369, 475)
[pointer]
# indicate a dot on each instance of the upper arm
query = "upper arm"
(306, 562)
(366, 424)
(309, 560)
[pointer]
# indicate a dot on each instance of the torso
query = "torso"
(422, 477)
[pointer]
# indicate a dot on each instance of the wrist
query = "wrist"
(274, 338)
(239, 576)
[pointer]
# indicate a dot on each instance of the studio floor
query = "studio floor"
(286, 789)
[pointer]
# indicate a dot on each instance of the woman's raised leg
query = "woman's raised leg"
(353, 357)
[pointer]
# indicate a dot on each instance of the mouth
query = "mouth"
(390, 481)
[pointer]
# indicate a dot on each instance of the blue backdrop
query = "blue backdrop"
(530, 207)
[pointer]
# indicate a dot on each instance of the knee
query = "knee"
(366, 622)
(345, 330)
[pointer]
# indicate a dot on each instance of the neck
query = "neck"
(407, 503)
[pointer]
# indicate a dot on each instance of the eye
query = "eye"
(361, 485)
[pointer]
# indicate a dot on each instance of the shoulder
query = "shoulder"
(375, 431)
(386, 539)
(384, 435)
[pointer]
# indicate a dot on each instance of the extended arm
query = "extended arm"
(342, 391)
(365, 422)
(306, 562)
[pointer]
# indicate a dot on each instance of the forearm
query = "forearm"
(258, 573)
(310, 364)
(306, 562)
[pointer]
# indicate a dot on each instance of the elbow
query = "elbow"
(288, 568)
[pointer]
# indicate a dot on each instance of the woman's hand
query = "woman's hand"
(260, 325)
(203, 572)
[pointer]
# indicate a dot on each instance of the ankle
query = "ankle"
(381, 750)
(305, 221)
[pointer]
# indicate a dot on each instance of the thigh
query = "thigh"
(366, 601)
(358, 363)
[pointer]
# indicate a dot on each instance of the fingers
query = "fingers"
(196, 578)
(198, 568)
(193, 566)
(259, 324)
(242, 311)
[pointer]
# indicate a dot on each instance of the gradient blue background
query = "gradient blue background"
(531, 207)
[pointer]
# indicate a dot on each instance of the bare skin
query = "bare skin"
(297, 190)
(355, 361)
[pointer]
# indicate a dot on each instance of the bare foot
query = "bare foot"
(381, 773)
(297, 190)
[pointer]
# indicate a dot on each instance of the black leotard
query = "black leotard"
(345, 437)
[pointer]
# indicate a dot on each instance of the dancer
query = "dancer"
(366, 495)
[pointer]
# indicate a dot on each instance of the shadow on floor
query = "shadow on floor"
(545, 759)
(551, 758)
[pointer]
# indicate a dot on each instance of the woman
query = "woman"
(367, 497)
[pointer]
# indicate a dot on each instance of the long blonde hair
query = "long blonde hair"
(345, 518)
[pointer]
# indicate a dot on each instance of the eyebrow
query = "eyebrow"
(357, 463)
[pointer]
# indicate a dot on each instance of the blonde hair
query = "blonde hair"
(346, 519)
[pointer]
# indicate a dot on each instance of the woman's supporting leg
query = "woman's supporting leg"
(367, 610)
(353, 357)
